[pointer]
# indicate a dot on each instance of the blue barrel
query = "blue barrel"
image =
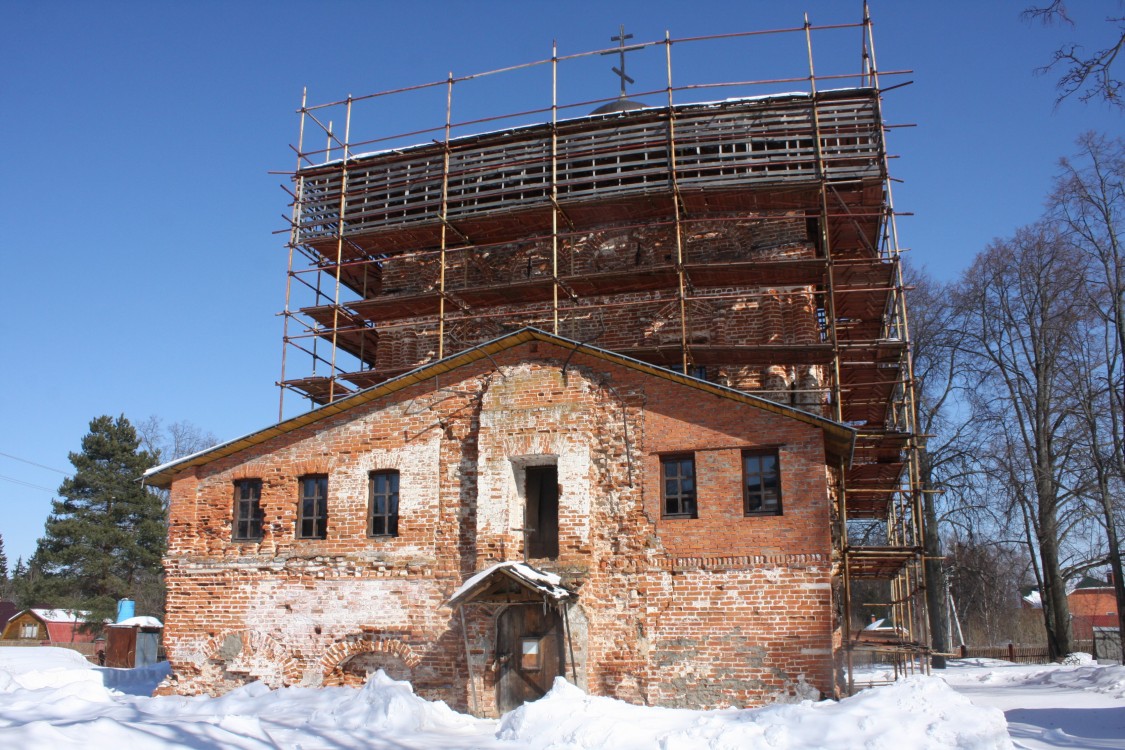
(125, 609)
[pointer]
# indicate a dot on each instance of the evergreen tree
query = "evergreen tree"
(31, 588)
(25, 588)
(106, 535)
(5, 582)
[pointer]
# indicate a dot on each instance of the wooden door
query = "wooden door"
(530, 651)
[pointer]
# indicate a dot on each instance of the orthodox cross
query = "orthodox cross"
(621, 50)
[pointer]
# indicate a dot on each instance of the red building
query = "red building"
(50, 626)
(1093, 604)
(685, 527)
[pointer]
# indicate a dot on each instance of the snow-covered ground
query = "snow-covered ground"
(54, 698)
(1049, 706)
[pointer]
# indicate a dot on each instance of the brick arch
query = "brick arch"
(260, 644)
(313, 465)
(331, 664)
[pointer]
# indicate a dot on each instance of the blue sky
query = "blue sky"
(141, 270)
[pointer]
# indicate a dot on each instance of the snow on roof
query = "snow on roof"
(1034, 599)
(144, 621)
(548, 583)
(61, 615)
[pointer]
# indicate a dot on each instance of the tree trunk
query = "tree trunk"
(1114, 562)
(1056, 613)
(935, 580)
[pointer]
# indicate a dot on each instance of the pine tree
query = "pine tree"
(24, 588)
(5, 582)
(106, 535)
(3, 563)
(32, 589)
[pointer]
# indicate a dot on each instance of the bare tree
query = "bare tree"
(1090, 75)
(169, 442)
(1089, 204)
(985, 579)
(946, 465)
(1023, 304)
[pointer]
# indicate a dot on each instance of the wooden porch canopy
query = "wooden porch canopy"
(507, 583)
(510, 583)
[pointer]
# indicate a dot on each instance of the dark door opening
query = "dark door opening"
(530, 653)
(541, 513)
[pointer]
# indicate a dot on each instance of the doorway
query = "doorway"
(530, 653)
(541, 512)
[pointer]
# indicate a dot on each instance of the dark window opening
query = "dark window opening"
(382, 505)
(677, 475)
(761, 482)
(541, 512)
(248, 509)
(312, 507)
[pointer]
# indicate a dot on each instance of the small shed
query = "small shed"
(133, 642)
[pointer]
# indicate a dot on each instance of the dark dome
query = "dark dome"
(618, 105)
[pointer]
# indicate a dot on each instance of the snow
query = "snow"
(549, 583)
(1077, 705)
(144, 621)
(56, 698)
(919, 713)
(62, 615)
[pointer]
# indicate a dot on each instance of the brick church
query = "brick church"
(597, 399)
(683, 529)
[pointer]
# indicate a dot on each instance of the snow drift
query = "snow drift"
(53, 697)
(918, 713)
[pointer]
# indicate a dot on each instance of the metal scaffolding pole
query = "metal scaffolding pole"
(295, 222)
(340, 248)
(678, 209)
(444, 213)
(555, 186)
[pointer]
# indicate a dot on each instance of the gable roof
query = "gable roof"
(1089, 582)
(63, 625)
(60, 615)
(839, 438)
(537, 583)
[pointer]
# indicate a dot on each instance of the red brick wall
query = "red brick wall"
(717, 610)
(739, 315)
(1092, 607)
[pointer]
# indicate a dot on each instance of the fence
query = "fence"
(1106, 644)
(86, 649)
(1011, 652)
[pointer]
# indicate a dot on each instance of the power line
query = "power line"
(26, 484)
(32, 463)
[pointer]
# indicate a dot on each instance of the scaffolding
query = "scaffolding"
(401, 254)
